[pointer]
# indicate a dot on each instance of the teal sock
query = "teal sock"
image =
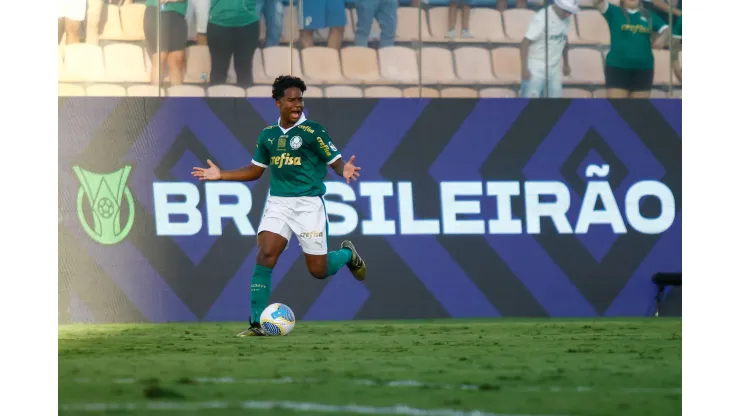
(337, 259)
(260, 290)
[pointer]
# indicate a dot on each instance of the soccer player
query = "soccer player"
(297, 151)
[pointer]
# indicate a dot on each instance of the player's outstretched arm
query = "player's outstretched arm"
(347, 170)
(247, 173)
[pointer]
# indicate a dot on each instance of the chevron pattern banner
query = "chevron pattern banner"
(465, 208)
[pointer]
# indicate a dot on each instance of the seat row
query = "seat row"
(124, 62)
(334, 91)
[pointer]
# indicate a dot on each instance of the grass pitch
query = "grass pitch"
(502, 366)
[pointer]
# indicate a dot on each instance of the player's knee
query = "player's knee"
(267, 257)
(318, 272)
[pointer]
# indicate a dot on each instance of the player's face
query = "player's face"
(291, 105)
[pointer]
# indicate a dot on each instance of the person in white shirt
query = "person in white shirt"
(540, 67)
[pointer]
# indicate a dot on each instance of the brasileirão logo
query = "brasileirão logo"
(104, 194)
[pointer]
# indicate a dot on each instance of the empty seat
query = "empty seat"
(277, 61)
(84, 62)
(516, 22)
(487, 24)
(407, 26)
(313, 92)
(399, 63)
(124, 62)
(457, 92)
(663, 70)
(132, 21)
(258, 69)
(360, 64)
(473, 65)
(426, 92)
(197, 64)
(112, 24)
(259, 91)
(61, 76)
(383, 92)
(186, 91)
(587, 67)
(342, 91)
(70, 90)
(600, 93)
(655, 93)
(436, 66)
(676, 93)
(226, 91)
(438, 23)
(497, 93)
(592, 27)
(106, 90)
(507, 65)
(576, 93)
(321, 65)
(145, 90)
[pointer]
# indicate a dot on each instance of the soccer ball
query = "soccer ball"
(277, 319)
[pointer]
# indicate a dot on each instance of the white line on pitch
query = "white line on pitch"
(413, 383)
(285, 405)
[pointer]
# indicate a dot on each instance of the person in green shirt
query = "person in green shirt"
(233, 31)
(297, 151)
(630, 64)
(173, 37)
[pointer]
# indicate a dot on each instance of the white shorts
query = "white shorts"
(304, 215)
(535, 87)
(72, 9)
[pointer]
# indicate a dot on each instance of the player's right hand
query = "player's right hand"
(213, 173)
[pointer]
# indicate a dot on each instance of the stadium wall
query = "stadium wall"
(465, 208)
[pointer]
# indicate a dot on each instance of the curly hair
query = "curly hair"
(283, 82)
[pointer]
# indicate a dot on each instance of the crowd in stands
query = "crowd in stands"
(372, 48)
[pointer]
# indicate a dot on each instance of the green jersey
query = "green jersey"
(233, 13)
(631, 43)
(179, 7)
(297, 158)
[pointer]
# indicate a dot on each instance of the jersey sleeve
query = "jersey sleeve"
(261, 156)
(609, 11)
(324, 147)
(659, 24)
(536, 27)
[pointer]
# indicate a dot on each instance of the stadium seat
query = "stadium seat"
(226, 91)
(145, 90)
(592, 27)
(438, 25)
(487, 24)
(343, 91)
(507, 65)
(112, 24)
(574, 38)
(277, 61)
(313, 92)
(576, 93)
(474, 65)
(105, 90)
(458, 92)
(676, 93)
(360, 64)
(383, 92)
(258, 69)
(407, 28)
(349, 28)
(197, 64)
(125, 62)
(70, 90)
(426, 92)
(259, 91)
(655, 93)
(290, 14)
(61, 75)
(587, 67)
(132, 21)
(663, 69)
(321, 65)
(497, 93)
(600, 93)
(84, 62)
(516, 22)
(185, 91)
(437, 67)
(399, 63)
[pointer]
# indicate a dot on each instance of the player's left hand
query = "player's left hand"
(350, 170)
(566, 70)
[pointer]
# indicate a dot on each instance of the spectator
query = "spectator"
(70, 15)
(630, 64)
(173, 37)
(273, 12)
(382, 10)
(233, 30)
(318, 14)
(197, 18)
(452, 19)
(538, 68)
